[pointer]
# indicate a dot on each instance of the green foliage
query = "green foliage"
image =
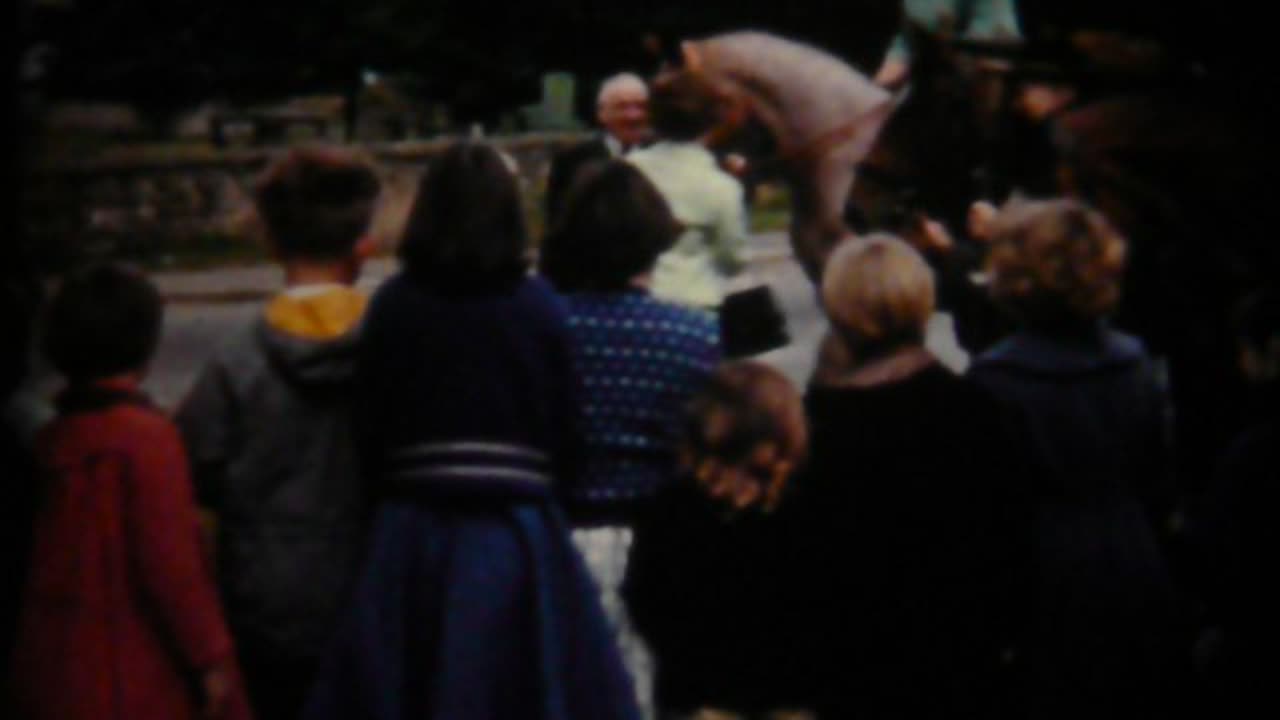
(771, 209)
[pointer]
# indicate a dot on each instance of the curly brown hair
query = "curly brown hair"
(1055, 260)
(748, 421)
(685, 104)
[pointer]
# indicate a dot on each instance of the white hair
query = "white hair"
(618, 82)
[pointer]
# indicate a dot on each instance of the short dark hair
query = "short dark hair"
(615, 226)
(683, 105)
(466, 229)
(316, 201)
(103, 321)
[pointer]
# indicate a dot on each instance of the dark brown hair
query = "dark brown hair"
(103, 321)
(683, 105)
(614, 227)
(466, 230)
(316, 201)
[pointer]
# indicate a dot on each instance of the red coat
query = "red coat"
(120, 612)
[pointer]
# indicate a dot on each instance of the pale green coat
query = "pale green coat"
(709, 203)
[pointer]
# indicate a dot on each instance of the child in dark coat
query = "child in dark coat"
(909, 545)
(1094, 407)
(120, 618)
(268, 424)
(703, 583)
(1235, 532)
(640, 361)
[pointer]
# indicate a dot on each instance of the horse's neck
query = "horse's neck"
(798, 90)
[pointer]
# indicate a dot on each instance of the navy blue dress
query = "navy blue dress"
(473, 602)
(1106, 611)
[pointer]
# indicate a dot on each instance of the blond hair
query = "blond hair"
(878, 291)
(1055, 260)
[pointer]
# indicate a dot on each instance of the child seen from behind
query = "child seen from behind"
(268, 422)
(704, 582)
(120, 619)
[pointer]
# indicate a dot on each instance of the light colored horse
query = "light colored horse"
(822, 114)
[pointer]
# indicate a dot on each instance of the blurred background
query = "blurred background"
(141, 121)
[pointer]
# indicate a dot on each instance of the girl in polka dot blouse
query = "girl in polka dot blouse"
(640, 361)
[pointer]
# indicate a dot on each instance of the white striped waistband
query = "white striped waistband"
(466, 462)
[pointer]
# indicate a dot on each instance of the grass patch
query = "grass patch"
(771, 210)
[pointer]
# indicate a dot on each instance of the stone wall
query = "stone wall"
(167, 205)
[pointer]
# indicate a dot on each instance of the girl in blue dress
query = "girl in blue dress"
(473, 602)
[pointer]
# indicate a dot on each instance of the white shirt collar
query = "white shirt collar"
(614, 145)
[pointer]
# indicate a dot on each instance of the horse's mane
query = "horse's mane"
(799, 89)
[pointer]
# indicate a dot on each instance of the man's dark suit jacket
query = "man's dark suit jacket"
(565, 166)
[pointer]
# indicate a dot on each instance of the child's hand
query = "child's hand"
(216, 683)
(981, 215)
(729, 484)
(734, 164)
(771, 467)
(936, 237)
(759, 480)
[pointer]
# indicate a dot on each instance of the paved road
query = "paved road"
(204, 307)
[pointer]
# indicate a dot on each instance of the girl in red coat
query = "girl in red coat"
(119, 616)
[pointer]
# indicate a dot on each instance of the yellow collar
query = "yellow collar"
(320, 316)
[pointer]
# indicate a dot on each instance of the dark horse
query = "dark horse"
(1177, 162)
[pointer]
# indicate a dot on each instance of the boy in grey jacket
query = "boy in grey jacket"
(268, 429)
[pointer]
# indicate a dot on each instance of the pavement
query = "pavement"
(203, 307)
(258, 282)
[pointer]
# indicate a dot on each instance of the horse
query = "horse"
(812, 119)
(819, 114)
(1176, 161)
(1177, 165)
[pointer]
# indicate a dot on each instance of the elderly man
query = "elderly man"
(622, 108)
